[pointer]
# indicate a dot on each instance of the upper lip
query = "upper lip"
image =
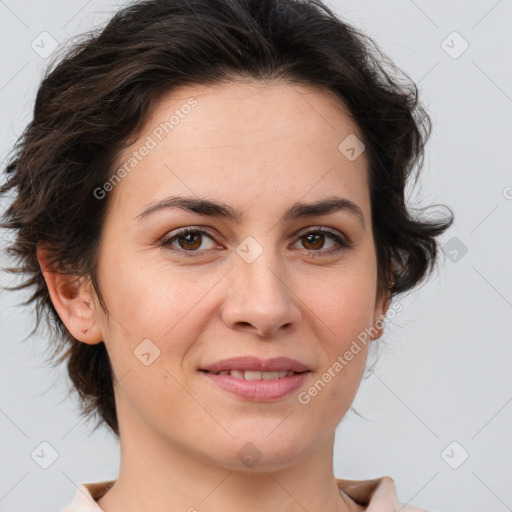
(250, 363)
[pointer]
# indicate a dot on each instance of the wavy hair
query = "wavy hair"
(96, 97)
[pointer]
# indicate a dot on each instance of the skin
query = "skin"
(258, 147)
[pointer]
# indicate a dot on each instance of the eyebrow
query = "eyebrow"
(211, 208)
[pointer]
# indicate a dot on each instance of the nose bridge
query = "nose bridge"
(264, 274)
(259, 293)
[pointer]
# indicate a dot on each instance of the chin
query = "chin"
(258, 452)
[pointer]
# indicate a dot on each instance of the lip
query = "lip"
(258, 390)
(251, 363)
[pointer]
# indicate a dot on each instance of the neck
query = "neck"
(158, 475)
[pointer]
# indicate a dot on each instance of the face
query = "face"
(264, 282)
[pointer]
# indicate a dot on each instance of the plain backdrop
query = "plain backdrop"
(437, 412)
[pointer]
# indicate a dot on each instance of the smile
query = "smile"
(256, 385)
(256, 375)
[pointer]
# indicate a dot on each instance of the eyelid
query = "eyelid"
(341, 240)
(327, 230)
(181, 232)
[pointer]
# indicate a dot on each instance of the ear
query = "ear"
(74, 301)
(382, 303)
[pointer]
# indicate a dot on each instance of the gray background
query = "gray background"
(444, 372)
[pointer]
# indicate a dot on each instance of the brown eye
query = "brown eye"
(189, 240)
(315, 240)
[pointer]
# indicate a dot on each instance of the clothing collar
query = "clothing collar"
(379, 495)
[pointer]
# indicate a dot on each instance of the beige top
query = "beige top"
(379, 495)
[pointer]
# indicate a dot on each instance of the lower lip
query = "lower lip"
(259, 390)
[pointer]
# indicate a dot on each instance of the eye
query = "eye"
(315, 239)
(189, 240)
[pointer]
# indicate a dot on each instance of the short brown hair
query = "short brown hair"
(97, 98)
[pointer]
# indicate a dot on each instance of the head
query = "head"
(254, 106)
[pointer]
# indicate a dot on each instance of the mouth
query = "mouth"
(256, 375)
(255, 368)
(252, 378)
(256, 385)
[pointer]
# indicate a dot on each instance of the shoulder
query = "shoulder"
(412, 508)
(86, 496)
(378, 494)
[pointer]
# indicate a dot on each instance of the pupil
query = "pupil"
(312, 238)
(189, 237)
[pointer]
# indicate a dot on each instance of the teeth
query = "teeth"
(255, 375)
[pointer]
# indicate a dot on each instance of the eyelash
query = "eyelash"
(341, 243)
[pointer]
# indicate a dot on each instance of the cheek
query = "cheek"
(344, 308)
(149, 300)
(343, 300)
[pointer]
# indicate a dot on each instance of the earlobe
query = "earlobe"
(73, 299)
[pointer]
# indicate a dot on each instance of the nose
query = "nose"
(261, 299)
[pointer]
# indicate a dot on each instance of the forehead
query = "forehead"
(239, 140)
(248, 108)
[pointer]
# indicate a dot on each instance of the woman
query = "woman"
(210, 208)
